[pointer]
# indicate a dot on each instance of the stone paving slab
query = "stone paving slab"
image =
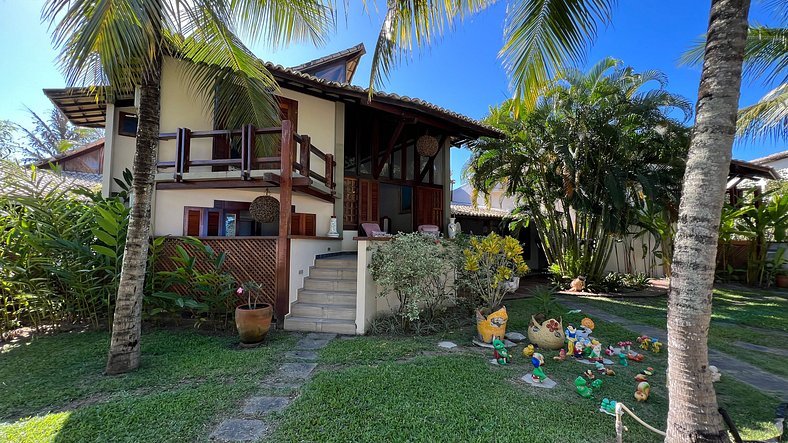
(312, 344)
(321, 336)
(297, 370)
(447, 345)
(547, 383)
(301, 355)
(728, 366)
(265, 405)
(235, 429)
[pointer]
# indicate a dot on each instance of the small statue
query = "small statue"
(648, 371)
(582, 388)
(610, 351)
(589, 374)
(561, 355)
(500, 354)
(578, 350)
(608, 406)
(643, 391)
(645, 342)
(528, 351)
(640, 377)
(578, 284)
(610, 372)
(596, 351)
(587, 323)
(538, 375)
(715, 374)
(600, 367)
(622, 359)
(571, 338)
(634, 356)
(656, 346)
(625, 346)
(596, 384)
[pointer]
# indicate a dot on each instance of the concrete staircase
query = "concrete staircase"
(327, 302)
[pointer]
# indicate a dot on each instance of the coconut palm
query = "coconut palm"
(543, 37)
(51, 136)
(581, 162)
(765, 59)
(116, 47)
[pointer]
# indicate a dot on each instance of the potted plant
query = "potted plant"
(252, 319)
(490, 266)
(544, 330)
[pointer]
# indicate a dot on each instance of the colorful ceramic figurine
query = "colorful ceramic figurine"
(622, 359)
(561, 355)
(494, 325)
(600, 367)
(645, 342)
(589, 374)
(578, 354)
(642, 392)
(596, 351)
(571, 338)
(582, 388)
(640, 377)
(608, 406)
(610, 351)
(596, 384)
(634, 356)
(538, 375)
(625, 346)
(656, 346)
(528, 351)
(648, 371)
(500, 354)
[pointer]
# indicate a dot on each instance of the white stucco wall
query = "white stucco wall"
(649, 265)
(302, 256)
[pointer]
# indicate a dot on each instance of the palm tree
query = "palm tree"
(594, 147)
(52, 136)
(546, 36)
(766, 59)
(117, 46)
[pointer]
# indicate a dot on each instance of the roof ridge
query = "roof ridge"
(331, 57)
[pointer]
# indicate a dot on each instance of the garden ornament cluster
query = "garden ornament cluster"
(500, 354)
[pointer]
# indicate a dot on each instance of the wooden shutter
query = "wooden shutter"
(368, 201)
(192, 221)
(303, 224)
(350, 203)
(429, 206)
(213, 223)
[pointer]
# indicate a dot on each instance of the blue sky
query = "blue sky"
(461, 72)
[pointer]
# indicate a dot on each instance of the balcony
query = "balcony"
(296, 166)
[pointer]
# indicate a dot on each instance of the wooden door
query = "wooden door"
(429, 206)
(369, 208)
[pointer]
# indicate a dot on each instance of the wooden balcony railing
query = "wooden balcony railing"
(299, 160)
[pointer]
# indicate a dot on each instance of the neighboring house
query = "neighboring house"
(344, 155)
(491, 214)
(86, 159)
(43, 180)
(777, 161)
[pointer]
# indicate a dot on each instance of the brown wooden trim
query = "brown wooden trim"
(282, 305)
(313, 237)
(389, 149)
(315, 193)
(372, 238)
(304, 159)
(216, 184)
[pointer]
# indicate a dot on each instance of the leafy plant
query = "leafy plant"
(489, 264)
(544, 297)
(420, 271)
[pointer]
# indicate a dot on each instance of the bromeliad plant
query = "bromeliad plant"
(489, 264)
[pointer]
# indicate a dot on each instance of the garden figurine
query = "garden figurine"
(600, 367)
(578, 350)
(561, 355)
(538, 375)
(640, 377)
(643, 391)
(596, 351)
(625, 346)
(571, 338)
(578, 284)
(608, 406)
(656, 346)
(622, 359)
(634, 356)
(596, 384)
(648, 371)
(610, 351)
(589, 374)
(645, 342)
(528, 351)
(500, 353)
(582, 388)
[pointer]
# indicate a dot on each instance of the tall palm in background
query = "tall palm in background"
(543, 37)
(48, 136)
(117, 46)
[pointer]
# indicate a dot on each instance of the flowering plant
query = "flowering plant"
(491, 262)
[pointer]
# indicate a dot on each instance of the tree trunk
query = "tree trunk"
(693, 415)
(124, 351)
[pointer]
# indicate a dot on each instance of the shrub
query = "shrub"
(420, 271)
(491, 262)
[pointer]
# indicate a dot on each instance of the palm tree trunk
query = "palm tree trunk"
(693, 415)
(124, 351)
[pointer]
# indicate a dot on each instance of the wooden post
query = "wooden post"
(306, 154)
(330, 171)
(282, 305)
(248, 138)
(182, 152)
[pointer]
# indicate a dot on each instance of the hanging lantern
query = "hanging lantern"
(427, 145)
(265, 208)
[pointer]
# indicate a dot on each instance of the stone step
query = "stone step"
(337, 263)
(327, 297)
(293, 323)
(316, 310)
(324, 284)
(333, 273)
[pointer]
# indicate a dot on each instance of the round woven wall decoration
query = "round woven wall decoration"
(427, 145)
(265, 209)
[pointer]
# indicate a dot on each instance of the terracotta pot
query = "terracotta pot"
(781, 281)
(253, 324)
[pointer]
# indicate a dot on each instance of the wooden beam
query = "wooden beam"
(389, 149)
(282, 304)
(304, 159)
(216, 184)
(315, 193)
(431, 161)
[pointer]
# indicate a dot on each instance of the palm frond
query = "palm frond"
(767, 118)
(544, 37)
(282, 22)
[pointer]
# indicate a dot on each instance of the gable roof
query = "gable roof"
(82, 107)
(70, 154)
(350, 57)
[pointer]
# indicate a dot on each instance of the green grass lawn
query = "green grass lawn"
(365, 389)
(748, 315)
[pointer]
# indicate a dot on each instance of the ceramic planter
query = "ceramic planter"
(491, 326)
(253, 324)
(548, 335)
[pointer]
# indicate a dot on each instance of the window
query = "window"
(224, 219)
(127, 124)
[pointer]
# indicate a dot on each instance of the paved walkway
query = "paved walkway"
(276, 392)
(728, 365)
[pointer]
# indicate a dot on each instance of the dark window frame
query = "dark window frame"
(123, 115)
